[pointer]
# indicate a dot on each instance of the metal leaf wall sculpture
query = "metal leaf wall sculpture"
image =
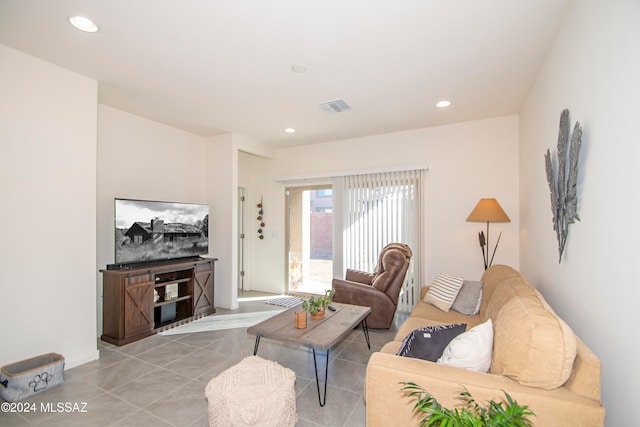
(564, 194)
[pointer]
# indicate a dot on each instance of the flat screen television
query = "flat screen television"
(148, 230)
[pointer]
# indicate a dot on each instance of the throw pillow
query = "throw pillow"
(468, 299)
(443, 291)
(429, 342)
(472, 350)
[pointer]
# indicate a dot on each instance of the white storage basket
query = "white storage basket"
(30, 376)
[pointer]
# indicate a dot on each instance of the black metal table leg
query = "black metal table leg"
(255, 347)
(366, 332)
(321, 400)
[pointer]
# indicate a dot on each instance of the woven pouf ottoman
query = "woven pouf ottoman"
(255, 392)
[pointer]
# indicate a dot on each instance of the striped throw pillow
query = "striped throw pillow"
(443, 291)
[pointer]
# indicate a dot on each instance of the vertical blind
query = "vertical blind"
(379, 209)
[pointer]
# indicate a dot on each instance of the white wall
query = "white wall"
(48, 192)
(593, 70)
(142, 159)
(222, 194)
(468, 161)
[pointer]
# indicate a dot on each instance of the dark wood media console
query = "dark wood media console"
(129, 309)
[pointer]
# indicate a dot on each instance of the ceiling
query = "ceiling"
(217, 66)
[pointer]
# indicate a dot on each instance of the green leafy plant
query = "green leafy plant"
(470, 414)
(318, 303)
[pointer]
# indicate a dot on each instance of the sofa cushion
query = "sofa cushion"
(414, 323)
(429, 342)
(493, 277)
(391, 347)
(443, 291)
(468, 299)
(471, 350)
(432, 315)
(503, 292)
(532, 345)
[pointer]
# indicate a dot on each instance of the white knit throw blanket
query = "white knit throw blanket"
(254, 392)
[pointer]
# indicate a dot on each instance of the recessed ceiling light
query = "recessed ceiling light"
(83, 24)
(442, 104)
(289, 130)
(299, 68)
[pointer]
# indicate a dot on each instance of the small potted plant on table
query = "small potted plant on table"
(316, 305)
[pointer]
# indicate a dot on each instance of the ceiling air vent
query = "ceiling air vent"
(335, 106)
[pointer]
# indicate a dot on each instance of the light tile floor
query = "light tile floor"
(160, 380)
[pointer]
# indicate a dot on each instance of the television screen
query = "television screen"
(150, 230)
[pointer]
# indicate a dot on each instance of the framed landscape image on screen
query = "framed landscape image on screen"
(148, 230)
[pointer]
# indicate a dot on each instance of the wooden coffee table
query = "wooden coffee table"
(321, 335)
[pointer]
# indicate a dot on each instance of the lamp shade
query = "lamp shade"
(488, 210)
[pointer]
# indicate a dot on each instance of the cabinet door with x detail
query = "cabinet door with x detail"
(138, 305)
(203, 288)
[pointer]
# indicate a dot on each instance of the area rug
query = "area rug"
(222, 321)
(285, 301)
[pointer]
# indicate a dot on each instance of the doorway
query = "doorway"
(309, 222)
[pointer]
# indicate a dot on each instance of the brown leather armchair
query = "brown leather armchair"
(379, 290)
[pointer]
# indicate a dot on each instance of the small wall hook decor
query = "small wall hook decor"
(259, 218)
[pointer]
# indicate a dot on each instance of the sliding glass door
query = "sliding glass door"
(309, 238)
(378, 209)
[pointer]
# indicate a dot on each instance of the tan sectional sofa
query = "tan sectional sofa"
(537, 359)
